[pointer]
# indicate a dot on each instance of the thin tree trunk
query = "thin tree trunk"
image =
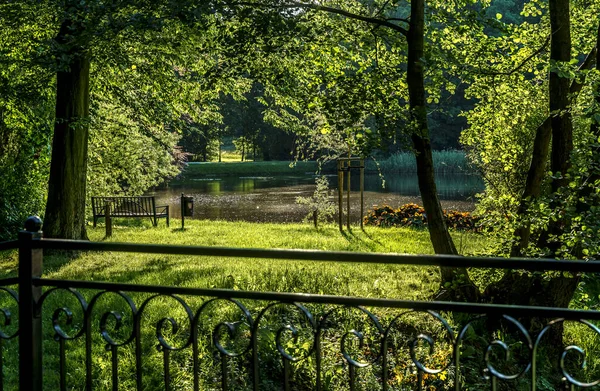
(539, 159)
(220, 149)
(65, 207)
(454, 279)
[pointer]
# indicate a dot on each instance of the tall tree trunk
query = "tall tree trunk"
(456, 278)
(595, 127)
(562, 125)
(539, 159)
(65, 208)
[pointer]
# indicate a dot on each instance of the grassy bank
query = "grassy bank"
(445, 162)
(214, 169)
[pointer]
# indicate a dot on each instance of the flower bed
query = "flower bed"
(413, 215)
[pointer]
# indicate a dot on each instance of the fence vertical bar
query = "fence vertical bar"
(30, 320)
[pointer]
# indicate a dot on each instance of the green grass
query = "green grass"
(386, 281)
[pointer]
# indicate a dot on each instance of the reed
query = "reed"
(445, 162)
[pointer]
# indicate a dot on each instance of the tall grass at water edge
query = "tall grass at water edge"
(444, 162)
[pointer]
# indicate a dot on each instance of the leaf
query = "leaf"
(498, 16)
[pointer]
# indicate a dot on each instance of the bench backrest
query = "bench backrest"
(125, 206)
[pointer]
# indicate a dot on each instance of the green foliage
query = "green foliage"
(320, 207)
(25, 117)
(412, 215)
(508, 75)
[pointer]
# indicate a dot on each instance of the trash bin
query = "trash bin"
(187, 208)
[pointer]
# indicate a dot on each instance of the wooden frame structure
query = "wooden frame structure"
(346, 165)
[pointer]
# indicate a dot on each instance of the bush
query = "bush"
(320, 208)
(413, 215)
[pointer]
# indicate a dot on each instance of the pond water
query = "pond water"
(273, 199)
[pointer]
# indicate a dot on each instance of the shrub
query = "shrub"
(320, 208)
(413, 215)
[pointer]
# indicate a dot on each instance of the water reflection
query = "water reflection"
(273, 199)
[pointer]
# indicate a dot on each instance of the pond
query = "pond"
(273, 199)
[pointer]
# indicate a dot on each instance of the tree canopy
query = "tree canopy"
(113, 97)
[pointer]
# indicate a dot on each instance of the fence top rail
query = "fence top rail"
(444, 306)
(9, 245)
(329, 256)
(9, 281)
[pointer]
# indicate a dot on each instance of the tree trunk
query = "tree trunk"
(534, 290)
(525, 289)
(541, 145)
(562, 125)
(533, 185)
(65, 208)
(455, 281)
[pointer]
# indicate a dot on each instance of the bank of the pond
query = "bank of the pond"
(445, 162)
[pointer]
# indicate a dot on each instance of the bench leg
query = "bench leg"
(95, 219)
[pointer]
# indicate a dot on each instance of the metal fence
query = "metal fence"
(99, 335)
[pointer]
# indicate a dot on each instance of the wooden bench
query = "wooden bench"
(142, 206)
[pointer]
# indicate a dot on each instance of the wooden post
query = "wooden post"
(340, 193)
(30, 319)
(349, 169)
(182, 202)
(107, 219)
(362, 191)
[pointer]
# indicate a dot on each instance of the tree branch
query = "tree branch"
(522, 64)
(331, 10)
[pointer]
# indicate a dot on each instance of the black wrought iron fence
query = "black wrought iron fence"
(101, 335)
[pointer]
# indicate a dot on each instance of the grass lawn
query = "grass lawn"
(408, 282)
(386, 281)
